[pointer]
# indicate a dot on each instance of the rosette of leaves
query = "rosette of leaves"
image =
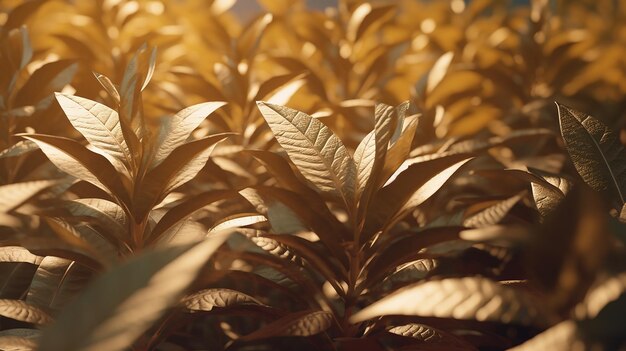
(127, 169)
(334, 231)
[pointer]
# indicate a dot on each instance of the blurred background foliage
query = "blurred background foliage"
(490, 64)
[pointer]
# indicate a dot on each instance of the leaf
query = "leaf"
(249, 40)
(207, 299)
(599, 296)
(23, 312)
(75, 160)
(100, 125)
(110, 216)
(55, 282)
(490, 212)
(187, 208)
(178, 128)
(548, 196)
(561, 337)
(47, 79)
(438, 72)
(370, 155)
(16, 194)
(304, 323)
(19, 339)
(411, 187)
(20, 148)
(113, 311)
(319, 154)
(430, 335)
(180, 166)
(109, 87)
(18, 254)
(597, 153)
(406, 248)
(470, 298)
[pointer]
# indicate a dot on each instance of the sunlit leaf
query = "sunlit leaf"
(319, 154)
(75, 160)
(460, 298)
(99, 124)
(20, 148)
(178, 128)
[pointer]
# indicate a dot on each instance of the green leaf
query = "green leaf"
(597, 153)
(319, 154)
(100, 125)
(24, 312)
(121, 304)
(178, 128)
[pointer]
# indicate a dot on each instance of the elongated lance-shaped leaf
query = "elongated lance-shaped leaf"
(121, 304)
(75, 160)
(305, 323)
(100, 125)
(370, 155)
(317, 153)
(472, 298)
(207, 299)
(24, 312)
(492, 214)
(55, 282)
(179, 167)
(597, 153)
(108, 86)
(20, 148)
(18, 254)
(110, 216)
(178, 128)
(187, 208)
(13, 195)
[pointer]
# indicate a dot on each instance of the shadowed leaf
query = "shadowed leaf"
(208, 299)
(597, 153)
(120, 305)
(24, 312)
(305, 323)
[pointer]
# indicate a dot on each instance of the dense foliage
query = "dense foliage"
(385, 175)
